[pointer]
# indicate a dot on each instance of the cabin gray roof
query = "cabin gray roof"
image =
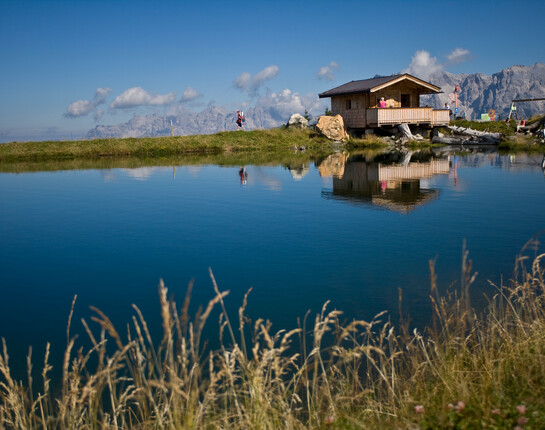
(375, 84)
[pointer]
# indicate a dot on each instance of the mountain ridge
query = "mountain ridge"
(479, 94)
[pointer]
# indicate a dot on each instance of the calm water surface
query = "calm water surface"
(351, 231)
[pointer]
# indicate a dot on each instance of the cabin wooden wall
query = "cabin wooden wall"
(353, 107)
(392, 95)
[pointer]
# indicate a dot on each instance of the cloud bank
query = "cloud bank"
(459, 55)
(84, 107)
(246, 82)
(137, 96)
(328, 72)
(423, 65)
(286, 102)
(190, 94)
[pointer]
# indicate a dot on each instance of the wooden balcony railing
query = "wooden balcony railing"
(390, 116)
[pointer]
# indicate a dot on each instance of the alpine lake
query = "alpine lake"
(353, 230)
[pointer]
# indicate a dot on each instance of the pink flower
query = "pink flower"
(496, 411)
(521, 409)
(329, 420)
(460, 406)
(419, 409)
(522, 420)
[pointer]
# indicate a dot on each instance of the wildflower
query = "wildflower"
(419, 409)
(460, 406)
(329, 420)
(521, 409)
(522, 420)
(450, 406)
(518, 428)
(496, 411)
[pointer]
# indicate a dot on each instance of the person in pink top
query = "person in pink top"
(521, 124)
(382, 103)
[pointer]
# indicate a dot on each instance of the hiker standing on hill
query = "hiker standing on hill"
(240, 120)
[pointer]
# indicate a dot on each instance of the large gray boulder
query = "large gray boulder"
(297, 121)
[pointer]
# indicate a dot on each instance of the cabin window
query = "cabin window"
(348, 104)
(406, 100)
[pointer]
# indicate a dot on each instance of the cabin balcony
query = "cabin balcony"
(377, 117)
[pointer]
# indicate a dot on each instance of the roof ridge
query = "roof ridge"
(365, 85)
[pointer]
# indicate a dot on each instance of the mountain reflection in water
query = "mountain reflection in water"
(390, 181)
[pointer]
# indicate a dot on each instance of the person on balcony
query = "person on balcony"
(382, 103)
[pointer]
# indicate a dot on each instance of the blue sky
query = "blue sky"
(68, 65)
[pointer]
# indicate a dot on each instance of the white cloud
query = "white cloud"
(285, 103)
(458, 55)
(79, 108)
(137, 96)
(98, 114)
(423, 65)
(190, 94)
(266, 74)
(101, 94)
(246, 82)
(142, 173)
(84, 107)
(327, 72)
(242, 81)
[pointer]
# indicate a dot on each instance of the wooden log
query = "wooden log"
(461, 140)
(471, 132)
(406, 158)
(404, 128)
(450, 140)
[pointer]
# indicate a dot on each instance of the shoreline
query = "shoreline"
(280, 142)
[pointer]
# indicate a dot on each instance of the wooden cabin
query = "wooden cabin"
(395, 187)
(358, 103)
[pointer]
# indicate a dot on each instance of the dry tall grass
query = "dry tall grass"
(466, 371)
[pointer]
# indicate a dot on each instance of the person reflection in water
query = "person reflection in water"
(243, 175)
(454, 170)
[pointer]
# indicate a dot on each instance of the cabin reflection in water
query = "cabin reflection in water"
(395, 187)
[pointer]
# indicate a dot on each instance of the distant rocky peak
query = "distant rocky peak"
(479, 93)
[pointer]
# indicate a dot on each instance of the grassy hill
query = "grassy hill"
(275, 140)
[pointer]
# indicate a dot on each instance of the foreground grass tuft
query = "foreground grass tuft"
(466, 371)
